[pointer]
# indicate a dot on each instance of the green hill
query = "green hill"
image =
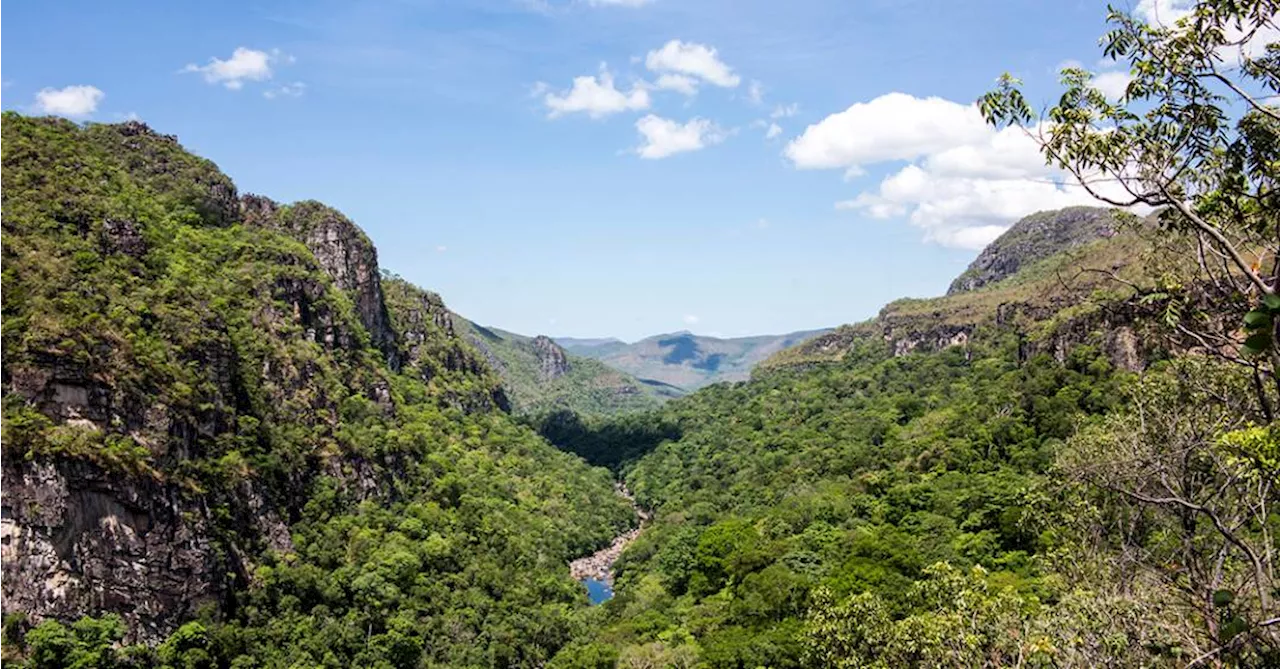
(225, 436)
(686, 360)
(541, 376)
(879, 492)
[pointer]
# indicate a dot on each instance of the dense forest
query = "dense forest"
(232, 440)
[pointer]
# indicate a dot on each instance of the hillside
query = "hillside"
(540, 375)
(686, 360)
(877, 493)
(1052, 297)
(228, 438)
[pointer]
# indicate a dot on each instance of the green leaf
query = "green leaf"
(1223, 598)
(1272, 302)
(1257, 320)
(1257, 343)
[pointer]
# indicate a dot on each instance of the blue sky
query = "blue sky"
(456, 135)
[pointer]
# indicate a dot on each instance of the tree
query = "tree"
(1186, 492)
(1196, 136)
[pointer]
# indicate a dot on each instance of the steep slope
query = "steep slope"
(214, 408)
(686, 360)
(1035, 238)
(540, 375)
(898, 466)
(1051, 302)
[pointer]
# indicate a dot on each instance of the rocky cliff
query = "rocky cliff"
(177, 387)
(1046, 283)
(1035, 238)
(552, 361)
(344, 252)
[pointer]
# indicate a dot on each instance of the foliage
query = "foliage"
(212, 359)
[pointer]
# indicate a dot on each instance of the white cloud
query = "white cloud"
(244, 65)
(785, 111)
(773, 131)
(442, 248)
(690, 319)
(71, 101)
(689, 58)
(963, 183)
(665, 137)
(1112, 84)
(677, 82)
(1166, 13)
(597, 97)
(618, 3)
(895, 126)
(294, 90)
(755, 92)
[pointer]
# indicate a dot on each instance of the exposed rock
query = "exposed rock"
(344, 252)
(1034, 238)
(552, 362)
(78, 539)
(599, 565)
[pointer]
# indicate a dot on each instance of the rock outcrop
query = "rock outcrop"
(344, 252)
(1035, 238)
(552, 361)
(78, 538)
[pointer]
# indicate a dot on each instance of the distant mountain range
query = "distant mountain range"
(683, 359)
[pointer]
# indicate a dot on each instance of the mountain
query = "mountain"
(229, 438)
(877, 492)
(1039, 278)
(540, 375)
(1034, 238)
(686, 360)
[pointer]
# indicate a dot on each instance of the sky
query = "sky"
(600, 167)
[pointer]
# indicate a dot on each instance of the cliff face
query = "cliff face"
(1033, 290)
(77, 537)
(1034, 238)
(344, 252)
(552, 362)
(176, 385)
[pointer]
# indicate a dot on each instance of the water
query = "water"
(598, 591)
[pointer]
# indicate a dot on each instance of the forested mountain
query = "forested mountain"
(231, 440)
(224, 434)
(540, 375)
(686, 360)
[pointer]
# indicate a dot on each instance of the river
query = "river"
(596, 570)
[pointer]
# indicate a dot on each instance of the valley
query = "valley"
(233, 437)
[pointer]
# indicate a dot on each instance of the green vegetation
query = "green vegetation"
(541, 376)
(1072, 461)
(151, 336)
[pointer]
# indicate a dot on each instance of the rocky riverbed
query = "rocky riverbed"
(599, 565)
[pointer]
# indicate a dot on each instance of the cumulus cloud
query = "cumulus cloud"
(895, 126)
(596, 96)
(772, 131)
(692, 59)
(963, 182)
(755, 92)
(665, 137)
(72, 101)
(677, 82)
(1112, 84)
(244, 65)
